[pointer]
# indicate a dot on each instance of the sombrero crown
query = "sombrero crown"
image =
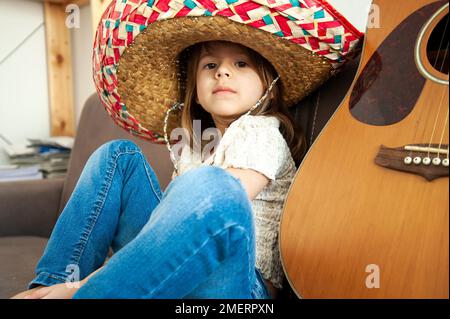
(138, 43)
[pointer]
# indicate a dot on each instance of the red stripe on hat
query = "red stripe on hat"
(163, 5)
(183, 12)
(126, 11)
(117, 106)
(129, 38)
(298, 40)
(153, 17)
(307, 26)
(323, 52)
(282, 22)
(283, 7)
(243, 8)
(116, 54)
(314, 43)
(330, 24)
(115, 15)
(110, 87)
(208, 4)
(108, 61)
(115, 34)
(99, 30)
(322, 33)
(108, 9)
(137, 18)
(327, 40)
(134, 123)
(257, 24)
(311, 3)
(117, 97)
(350, 37)
(226, 13)
(116, 41)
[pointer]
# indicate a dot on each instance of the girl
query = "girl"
(214, 232)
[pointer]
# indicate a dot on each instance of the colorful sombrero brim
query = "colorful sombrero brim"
(136, 69)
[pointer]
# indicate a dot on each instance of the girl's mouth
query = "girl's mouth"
(223, 89)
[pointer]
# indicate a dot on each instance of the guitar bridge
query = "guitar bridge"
(428, 161)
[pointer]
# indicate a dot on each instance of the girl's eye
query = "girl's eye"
(210, 66)
(240, 64)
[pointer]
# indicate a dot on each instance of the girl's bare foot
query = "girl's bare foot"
(26, 293)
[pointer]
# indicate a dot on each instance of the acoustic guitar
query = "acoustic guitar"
(367, 213)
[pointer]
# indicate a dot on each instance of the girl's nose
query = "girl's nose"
(223, 71)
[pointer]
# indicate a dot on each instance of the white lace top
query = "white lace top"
(255, 142)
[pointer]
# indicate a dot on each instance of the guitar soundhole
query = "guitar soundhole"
(437, 47)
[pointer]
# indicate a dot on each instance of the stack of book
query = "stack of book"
(15, 172)
(40, 158)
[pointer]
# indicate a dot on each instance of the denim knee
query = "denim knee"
(216, 186)
(117, 146)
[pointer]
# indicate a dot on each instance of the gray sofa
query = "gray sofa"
(29, 209)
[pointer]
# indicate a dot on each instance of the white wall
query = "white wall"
(24, 110)
(23, 75)
(82, 42)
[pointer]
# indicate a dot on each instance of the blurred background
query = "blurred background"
(45, 72)
(46, 77)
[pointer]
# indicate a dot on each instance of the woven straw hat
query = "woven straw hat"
(138, 43)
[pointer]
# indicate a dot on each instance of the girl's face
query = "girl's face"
(227, 82)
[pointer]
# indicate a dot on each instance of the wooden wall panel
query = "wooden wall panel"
(59, 64)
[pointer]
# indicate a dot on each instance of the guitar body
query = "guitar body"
(352, 226)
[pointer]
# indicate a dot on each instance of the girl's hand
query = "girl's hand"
(59, 291)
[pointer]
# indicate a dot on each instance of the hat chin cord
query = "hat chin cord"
(179, 106)
(262, 98)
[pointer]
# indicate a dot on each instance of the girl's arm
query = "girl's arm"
(253, 181)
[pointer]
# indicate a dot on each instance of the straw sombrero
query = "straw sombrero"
(138, 43)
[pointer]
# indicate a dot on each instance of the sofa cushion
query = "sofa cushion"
(19, 256)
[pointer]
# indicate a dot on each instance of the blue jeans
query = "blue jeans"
(195, 240)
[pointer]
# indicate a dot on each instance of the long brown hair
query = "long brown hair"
(272, 106)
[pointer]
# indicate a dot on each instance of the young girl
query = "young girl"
(213, 233)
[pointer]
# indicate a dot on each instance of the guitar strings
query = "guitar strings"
(440, 103)
(428, 113)
(442, 135)
(434, 65)
(446, 118)
(435, 122)
(439, 50)
(414, 137)
(440, 44)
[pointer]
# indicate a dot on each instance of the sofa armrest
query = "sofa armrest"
(29, 208)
